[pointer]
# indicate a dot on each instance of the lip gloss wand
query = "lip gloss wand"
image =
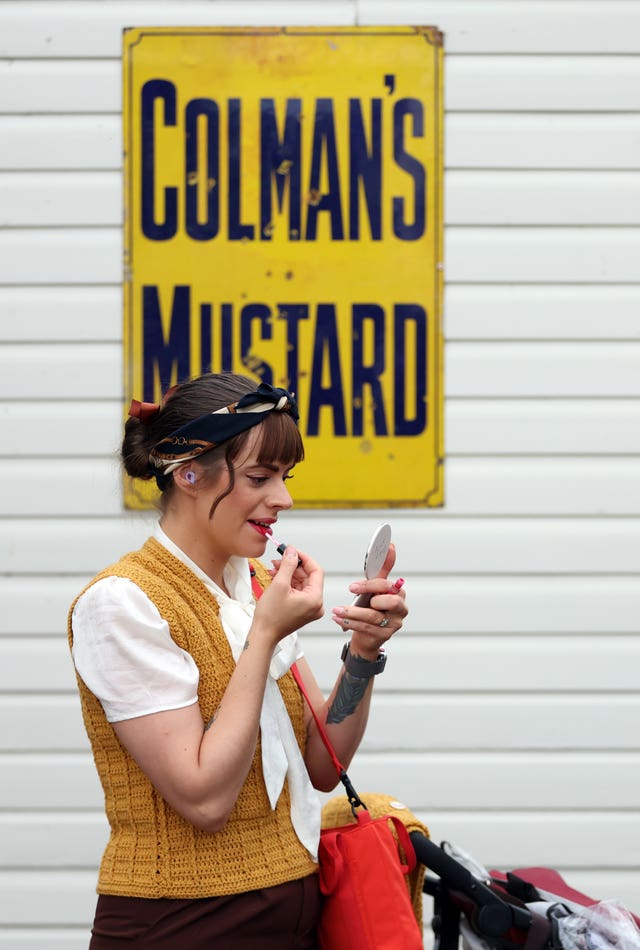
(280, 546)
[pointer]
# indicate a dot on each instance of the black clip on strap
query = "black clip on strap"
(354, 799)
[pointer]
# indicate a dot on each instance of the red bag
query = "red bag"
(366, 899)
(366, 904)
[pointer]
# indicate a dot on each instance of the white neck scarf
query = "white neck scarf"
(281, 757)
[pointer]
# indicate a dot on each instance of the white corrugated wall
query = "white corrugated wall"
(509, 715)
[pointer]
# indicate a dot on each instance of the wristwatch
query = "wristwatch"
(363, 669)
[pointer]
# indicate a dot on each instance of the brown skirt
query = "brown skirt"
(273, 918)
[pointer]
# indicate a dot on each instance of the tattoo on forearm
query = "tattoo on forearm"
(351, 689)
(208, 725)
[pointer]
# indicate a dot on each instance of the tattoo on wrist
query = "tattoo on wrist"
(350, 691)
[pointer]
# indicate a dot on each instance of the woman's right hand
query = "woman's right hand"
(290, 602)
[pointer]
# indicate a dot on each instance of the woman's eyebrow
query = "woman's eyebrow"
(270, 465)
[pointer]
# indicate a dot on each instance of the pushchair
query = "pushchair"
(526, 909)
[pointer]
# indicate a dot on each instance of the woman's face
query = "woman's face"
(258, 496)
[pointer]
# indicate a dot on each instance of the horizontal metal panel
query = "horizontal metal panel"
(535, 664)
(53, 781)
(521, 839)
(494, 26)
(472, 427)
(486, 198)
(440, 723)
(472, 255)
(442, 545)
(501, 83)
(474, 486)
(537, 312)
(61, 256)
(49, 86)
(50, 724)
(542, 255)
(36, 938)
(538, 140)
(65, 899)
(543, 369)
(57, 840)
(545, 427)
(491, 369)
(473, 312)
(474, 140)
(61, 314)
(99, 426)
(543, 83)
(69, 841)
(499, 723)
(60, 142)
(470, 780)
(62, 371)
(502, 197)
(61, 198)
(35, 29)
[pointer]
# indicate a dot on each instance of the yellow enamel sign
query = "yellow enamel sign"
(283, 199)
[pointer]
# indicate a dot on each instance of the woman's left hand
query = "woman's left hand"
(370, 627)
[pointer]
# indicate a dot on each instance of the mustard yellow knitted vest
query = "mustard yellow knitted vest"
(152, 851)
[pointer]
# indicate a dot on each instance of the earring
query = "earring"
(190, 477)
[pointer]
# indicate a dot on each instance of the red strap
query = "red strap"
(338, 766)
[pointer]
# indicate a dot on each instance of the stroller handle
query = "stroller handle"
(494, 916)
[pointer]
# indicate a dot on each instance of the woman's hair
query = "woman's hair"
(280, 439)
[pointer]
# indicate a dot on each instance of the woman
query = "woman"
(206, 752)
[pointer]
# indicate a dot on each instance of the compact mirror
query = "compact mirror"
(374, 559)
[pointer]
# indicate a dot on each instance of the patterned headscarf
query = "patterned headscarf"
(206, 432)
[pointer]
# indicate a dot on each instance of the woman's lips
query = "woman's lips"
(262, 528)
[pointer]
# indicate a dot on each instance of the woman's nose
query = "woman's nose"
(281, 498)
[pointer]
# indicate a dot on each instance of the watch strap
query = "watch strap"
(363, 669)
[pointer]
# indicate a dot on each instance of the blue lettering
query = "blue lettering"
(280, 160)
(326, 365)
(414, 230)
(324, 144)
(410, 420)
(153, 228)
(226, 338)
(292, 314)
(366, 168)
(237, 230)
(202, 231)
(205, 338)
(368, 375)
(159, 354)
(261, 314)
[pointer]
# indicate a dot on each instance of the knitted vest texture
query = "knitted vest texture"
(153, 851)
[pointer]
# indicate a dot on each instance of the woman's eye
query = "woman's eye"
(257, 479)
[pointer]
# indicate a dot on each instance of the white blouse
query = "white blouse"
(124, 652)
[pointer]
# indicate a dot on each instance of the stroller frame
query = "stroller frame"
(497, 909)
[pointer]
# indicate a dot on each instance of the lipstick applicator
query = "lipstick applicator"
(280, 546)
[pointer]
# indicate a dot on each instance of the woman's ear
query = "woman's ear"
(185, 477)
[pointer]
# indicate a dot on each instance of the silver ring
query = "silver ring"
(384, 622)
